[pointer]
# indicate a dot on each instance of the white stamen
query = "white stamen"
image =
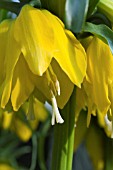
(56, 113)
(53, 118)
(58, 87)
(109, 125)
(75, 125)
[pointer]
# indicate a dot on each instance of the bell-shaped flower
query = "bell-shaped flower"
(97, 87)
(42, 57)
(43, 38)
(99, 74)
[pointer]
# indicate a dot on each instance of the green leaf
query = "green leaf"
(3, 14)
(75, 14)
(36, 3)
(42, 134)
(34, 152)
(102, 31)
(106, 8)
(92, 5)
(57, 7)
(99, 18)
(11, 6)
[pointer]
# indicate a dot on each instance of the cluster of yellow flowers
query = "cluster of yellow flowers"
(41, 60)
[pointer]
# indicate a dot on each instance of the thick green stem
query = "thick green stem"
(64, 138)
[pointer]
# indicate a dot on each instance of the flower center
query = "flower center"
(54, 87)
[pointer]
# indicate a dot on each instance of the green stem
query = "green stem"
(64, 138)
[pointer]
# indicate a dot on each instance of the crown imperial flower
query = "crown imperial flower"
(42, 58)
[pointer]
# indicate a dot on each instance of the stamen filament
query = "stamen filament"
(54, 87)
(56, 113)
(55, 80)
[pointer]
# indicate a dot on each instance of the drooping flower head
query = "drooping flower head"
(42, 59)
(97, 88)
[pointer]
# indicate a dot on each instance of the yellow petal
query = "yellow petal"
(100, 73)
(54, 42)
(7, 119)
(86, 42)
(70, 55)
(40, 113)
(21, 129)
(66, 86)
(22, 83)
(81, 101)
(11, 58)
(4, 166)
(39, 110)
(34, 33)
(4, 27)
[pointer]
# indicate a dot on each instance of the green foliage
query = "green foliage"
(92, 6)
(10, 150)
(11, 6)
(102, 31)
(75, 13)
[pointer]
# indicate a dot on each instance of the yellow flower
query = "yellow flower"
(4, 166)
(18, 124)
(100, 74)
(42, 58)
(97, 88)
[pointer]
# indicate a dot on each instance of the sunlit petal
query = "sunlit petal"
(100, 73)
(36, 38)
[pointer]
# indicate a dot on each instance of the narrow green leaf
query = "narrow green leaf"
(106, 8)
(75, 14)
(99, 18)
(34, 152)
(102, 31)
(41, 153)
(42, 134)
(35, 3)
(92, 5)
